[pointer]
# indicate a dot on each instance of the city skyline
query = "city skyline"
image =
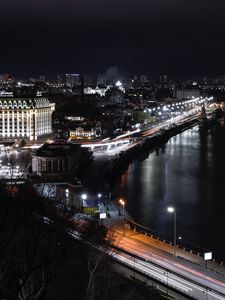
(182, 37)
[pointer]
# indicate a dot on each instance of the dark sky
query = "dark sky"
(183, 37)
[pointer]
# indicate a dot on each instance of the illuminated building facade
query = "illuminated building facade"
(83, 134)
(25, 118)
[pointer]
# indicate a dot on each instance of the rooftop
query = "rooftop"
(56, 149)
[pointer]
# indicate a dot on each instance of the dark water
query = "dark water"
(189, 174)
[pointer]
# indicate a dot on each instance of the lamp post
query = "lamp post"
(99, 199)
(172, 210)
(166, 274)
(206, 292)
(122, 202)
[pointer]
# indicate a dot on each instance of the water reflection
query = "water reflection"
(187, 174)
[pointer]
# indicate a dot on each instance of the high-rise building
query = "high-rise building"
(25, 118)
(73, 79)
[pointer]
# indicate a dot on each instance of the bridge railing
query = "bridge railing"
(153, 234)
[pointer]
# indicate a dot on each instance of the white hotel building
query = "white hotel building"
(27, 118)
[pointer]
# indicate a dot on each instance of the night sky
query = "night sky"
(182, 37)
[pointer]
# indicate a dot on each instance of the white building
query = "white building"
(25, 118)
(82, 133)
(98, 90)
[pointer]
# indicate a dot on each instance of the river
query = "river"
(188, 174)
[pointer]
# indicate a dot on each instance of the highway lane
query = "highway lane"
(169, 272)
(173, 281)
(148, 131)
(185, 117)
(214, 286)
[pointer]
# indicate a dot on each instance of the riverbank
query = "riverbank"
(102, 172)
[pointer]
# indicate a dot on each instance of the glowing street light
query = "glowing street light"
(119, 83)
(172, 210)
(84, 196)
(122, 202)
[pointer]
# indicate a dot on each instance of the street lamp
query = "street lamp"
(166, 274)
(84, 196)
(122, 202)
(172, 210)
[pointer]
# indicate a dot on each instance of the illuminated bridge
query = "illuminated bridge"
(171, 114)
(108, 145)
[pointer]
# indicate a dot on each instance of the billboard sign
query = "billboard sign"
(102, 216)
(207, 255)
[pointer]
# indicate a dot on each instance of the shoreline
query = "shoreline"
(101, 174)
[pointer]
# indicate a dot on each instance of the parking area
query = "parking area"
(14, 163)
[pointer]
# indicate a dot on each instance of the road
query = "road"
(141, 255)
(111, 148)
(154, 258)
(13, 164)
(168, 278)
(193, 281)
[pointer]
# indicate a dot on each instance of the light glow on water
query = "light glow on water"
(189, 175)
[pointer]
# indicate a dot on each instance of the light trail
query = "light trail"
(156, 269)
(153, 255)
